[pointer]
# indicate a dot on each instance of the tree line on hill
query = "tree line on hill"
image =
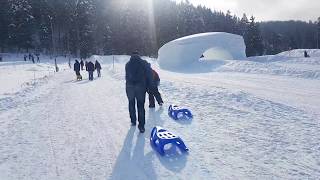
(85, 27)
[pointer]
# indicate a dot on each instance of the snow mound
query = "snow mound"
(186, 51)
(289, 63)
(300, 53)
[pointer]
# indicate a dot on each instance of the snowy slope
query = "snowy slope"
(247, 125)
(300, 53)
(19, 78)
(290, 63)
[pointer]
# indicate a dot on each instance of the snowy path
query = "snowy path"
(80, 130)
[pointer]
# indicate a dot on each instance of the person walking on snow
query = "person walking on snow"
(153, 90)
(90, 67)
(97, 66)
(76, 68)
(32, 58)
(69, 63)
(81, 63)
(138, 78)
(86, 65)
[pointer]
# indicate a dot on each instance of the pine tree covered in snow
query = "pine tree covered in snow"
(253, 39)
(21, 24)
(243, 24)
(318, 33)
(84, 13)
(4, 4)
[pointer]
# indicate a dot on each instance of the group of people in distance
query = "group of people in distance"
(31, 57)
(90, 68)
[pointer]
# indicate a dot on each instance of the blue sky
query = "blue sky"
(265, 10)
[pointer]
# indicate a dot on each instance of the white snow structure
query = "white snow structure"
(187, 50)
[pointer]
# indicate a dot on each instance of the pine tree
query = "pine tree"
(42, 30)
(84, 14)
(4, 23)
(253, 39)
(243, 25)
(292, 43)
(21, 24)
(318, 33)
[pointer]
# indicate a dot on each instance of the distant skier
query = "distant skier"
(97, 66)
(85, 64)
(306, 54)
(76, 68)
(138, 77)
(69, 63)
(90, 68)
(32, 58)
(81, 63)
(153, 90)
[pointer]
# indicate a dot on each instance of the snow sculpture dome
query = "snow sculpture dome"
(187, 50)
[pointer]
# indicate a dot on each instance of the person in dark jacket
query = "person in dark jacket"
(153, 90)
(85, 64)
(306, 54)
(32, 58)
(97, 66)
(76, 68)
(138, 78)
(81, 63)
(90, 68)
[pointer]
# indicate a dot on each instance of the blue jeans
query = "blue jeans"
(136, 94)
(91, 75)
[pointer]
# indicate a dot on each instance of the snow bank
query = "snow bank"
(300, 53)
(17, 76)
(186, 51)
(285, 68)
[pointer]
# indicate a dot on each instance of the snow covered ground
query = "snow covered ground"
(253, 119)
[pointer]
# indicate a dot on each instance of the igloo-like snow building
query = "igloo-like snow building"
(187, 50)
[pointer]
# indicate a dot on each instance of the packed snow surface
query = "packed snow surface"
(186, 51)
(253, 119)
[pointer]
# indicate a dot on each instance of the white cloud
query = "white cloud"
(265, 10)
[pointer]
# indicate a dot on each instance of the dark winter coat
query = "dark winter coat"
(97, 65)
(76, 66)
(81, 63)
(155, 78)
(90, 66)
(138, 73)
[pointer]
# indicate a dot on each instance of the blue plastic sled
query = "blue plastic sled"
(176, 112)
(160, 137)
